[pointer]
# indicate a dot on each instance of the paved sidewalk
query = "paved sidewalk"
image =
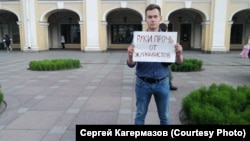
(46, 106)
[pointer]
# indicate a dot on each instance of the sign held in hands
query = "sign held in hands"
(154, 46)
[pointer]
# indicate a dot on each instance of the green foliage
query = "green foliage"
(218, 104)
(188, 65)
(1, 96)
(54, 64)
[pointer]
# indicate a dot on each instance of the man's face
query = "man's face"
(153, 19)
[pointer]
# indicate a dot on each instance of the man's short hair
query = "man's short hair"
(152, 7)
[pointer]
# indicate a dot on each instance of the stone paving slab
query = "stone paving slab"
(46, 106)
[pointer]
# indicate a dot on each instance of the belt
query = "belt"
(151, 80)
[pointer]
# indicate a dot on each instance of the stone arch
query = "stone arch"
(236, 11)
(204, 15)
(240, 27)
(121, 22)
(104, 16)
(188, 23)
(64, 22)
(13, 12)
(9, 24)
(47, 13)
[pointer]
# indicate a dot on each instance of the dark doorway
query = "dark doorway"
(185, 36)
(71, 33)
(236, 34)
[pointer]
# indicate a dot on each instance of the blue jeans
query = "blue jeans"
(144, 92)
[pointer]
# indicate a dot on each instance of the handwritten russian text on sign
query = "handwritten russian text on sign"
(154, 46)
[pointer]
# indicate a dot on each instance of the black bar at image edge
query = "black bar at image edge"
(169, 132)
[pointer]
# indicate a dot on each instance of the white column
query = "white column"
(92, 25)
(197, 36)
(219, 26)
(45, 25)
(30, 26)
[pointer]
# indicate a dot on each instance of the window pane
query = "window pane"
(15, 34)
(123, 33)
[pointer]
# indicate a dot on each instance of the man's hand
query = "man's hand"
(130, 54)
(178, 51)
(131, 50)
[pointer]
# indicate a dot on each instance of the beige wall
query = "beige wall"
(44, 9)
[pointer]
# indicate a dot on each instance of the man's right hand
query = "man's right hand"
(130, 54)
(131, 50)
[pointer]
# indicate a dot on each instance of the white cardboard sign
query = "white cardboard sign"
(154, 46)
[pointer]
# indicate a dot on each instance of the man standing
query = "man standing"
(7, 41)
(152, 77)
(63, 42)
(163, 27)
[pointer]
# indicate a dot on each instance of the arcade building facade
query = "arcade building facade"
(100, 25)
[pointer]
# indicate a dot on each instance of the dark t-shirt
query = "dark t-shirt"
(7, 40)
